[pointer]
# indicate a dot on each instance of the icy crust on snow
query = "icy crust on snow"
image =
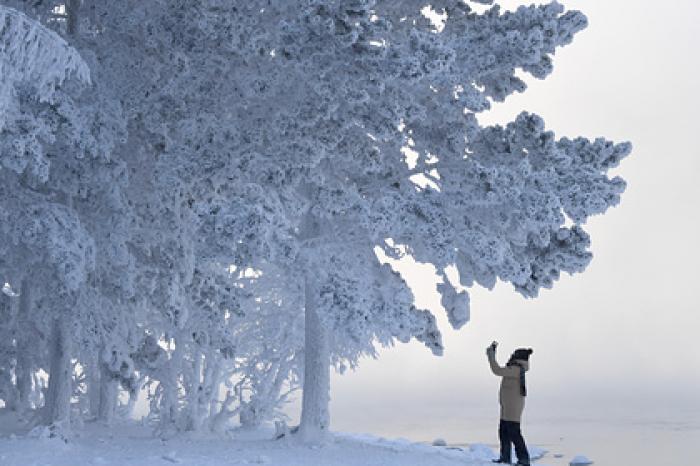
(580, 460)
(134, 445)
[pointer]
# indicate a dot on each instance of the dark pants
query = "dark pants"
(509, 433)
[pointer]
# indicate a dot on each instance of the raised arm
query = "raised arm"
(495, 368)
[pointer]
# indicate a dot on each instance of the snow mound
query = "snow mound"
(53, 433)
(536, 452)
(580, 460)
(402, 445)
(170, 457)
(482, 452)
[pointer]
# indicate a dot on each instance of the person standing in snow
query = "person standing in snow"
(512, 399)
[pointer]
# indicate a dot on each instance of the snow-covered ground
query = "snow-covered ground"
(132, 444)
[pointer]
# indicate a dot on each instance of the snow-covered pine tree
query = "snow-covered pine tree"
(48, 251)
(308, 133)
(174, 152)
(61, 194)
(356, 131)
(302, 138)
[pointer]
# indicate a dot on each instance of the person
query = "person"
(512, 400)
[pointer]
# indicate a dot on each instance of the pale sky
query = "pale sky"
(621, 339)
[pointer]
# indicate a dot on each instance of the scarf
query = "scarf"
(523, 389)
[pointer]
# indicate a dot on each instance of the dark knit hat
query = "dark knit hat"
(522, 353)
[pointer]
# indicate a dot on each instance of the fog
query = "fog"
(621, 339)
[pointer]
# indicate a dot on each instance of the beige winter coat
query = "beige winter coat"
(512, 402)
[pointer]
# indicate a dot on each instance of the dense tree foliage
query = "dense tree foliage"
(194, 195)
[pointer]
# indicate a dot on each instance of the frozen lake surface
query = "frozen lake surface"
(620, 442)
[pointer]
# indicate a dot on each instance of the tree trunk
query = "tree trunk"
(109, 390)
(93, 385)
(169, 403)
(134, 394)
(213, 377)
(195, 393)
(23, 370)
(315, 418)
(73, 20)
(57, 408)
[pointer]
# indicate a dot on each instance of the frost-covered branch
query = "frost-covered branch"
(33, 54)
